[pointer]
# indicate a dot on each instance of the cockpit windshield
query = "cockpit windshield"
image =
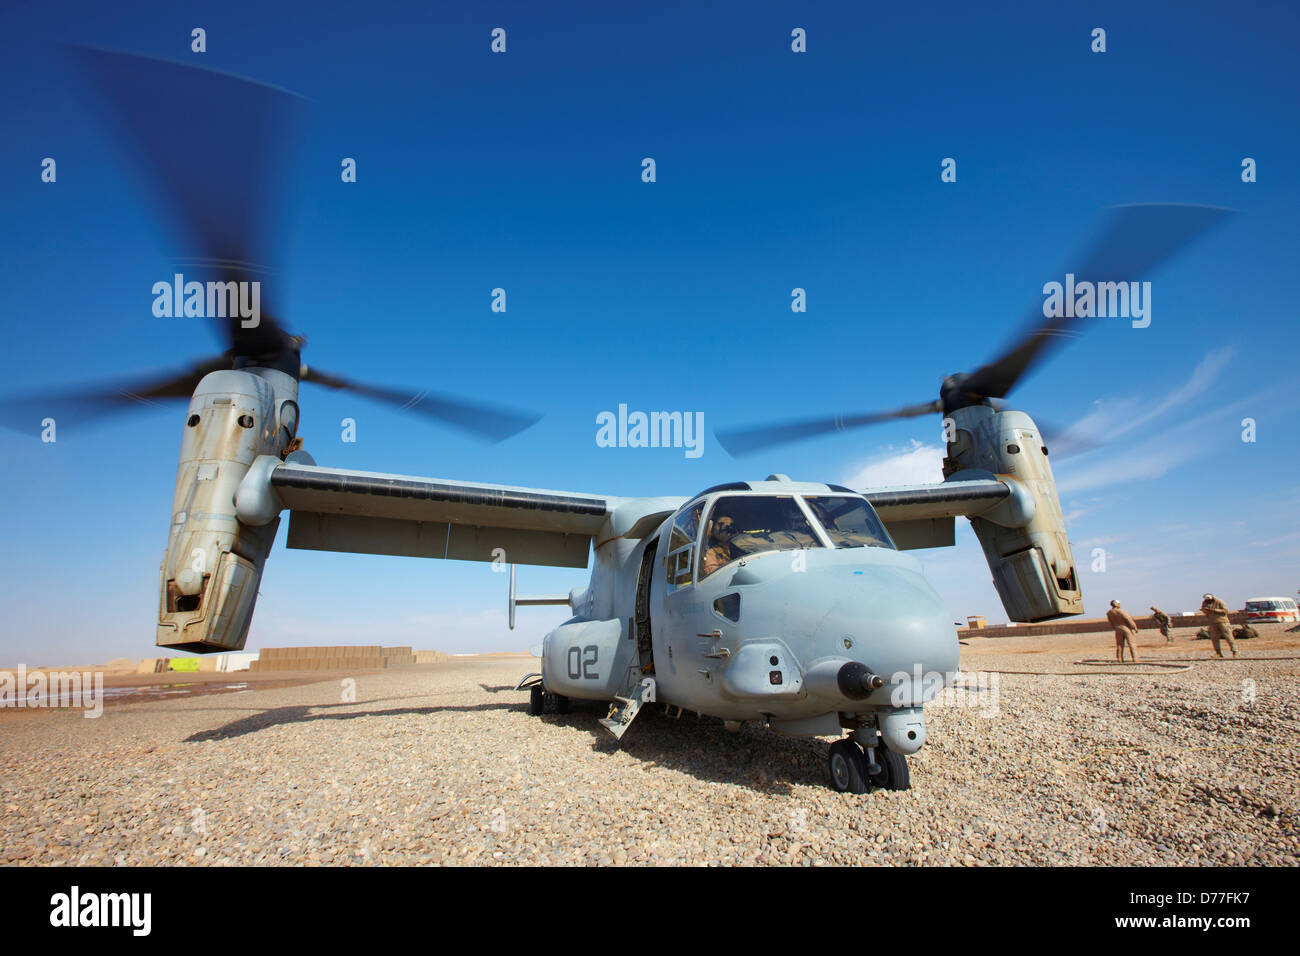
(739, 525)
(849, 521)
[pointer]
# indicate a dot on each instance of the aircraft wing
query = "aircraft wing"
(921, 516)
(338, 509)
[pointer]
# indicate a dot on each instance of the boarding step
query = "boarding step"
(624, 709)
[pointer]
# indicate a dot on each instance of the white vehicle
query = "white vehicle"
(1269, 609)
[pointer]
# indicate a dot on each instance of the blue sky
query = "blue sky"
(775, 170)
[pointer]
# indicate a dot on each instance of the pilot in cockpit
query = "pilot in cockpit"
(823, 514)
(722, 531)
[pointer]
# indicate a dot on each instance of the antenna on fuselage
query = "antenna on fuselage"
(530, 601)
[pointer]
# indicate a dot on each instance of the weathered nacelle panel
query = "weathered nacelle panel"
(213, 563)
(1024, 538)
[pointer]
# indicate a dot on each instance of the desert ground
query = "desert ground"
(1045, 762)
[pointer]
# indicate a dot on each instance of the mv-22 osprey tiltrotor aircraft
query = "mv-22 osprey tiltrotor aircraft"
(792, 603)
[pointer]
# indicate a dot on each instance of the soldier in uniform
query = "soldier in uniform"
(1217, 612)
(720, 550)
(1125, 630)
(1163, 620)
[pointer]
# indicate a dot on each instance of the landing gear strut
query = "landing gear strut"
(857, 770)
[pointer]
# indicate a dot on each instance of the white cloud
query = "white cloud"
(1087, 544)
(1155, 455)
(1114, 418)
(1294, 536)
(919, 464)
(1132, 464)
(1203, 376)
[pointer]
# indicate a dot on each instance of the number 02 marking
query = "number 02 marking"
(582, 661)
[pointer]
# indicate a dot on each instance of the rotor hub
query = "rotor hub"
(953, 394)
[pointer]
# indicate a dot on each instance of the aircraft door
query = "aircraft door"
(641, 622)
(676, 640)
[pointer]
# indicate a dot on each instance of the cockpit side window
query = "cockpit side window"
(849, 521)
(681, 546)
(687, 527)
(740, 525)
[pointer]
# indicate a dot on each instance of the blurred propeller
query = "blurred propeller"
(485, 421)
(743, 441)
(1134, 241)
(73, 406)
(214, 151)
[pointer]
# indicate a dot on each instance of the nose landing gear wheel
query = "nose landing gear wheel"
(848, 768)
(893, 773)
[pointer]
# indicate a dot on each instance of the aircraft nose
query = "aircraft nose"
(892, 621)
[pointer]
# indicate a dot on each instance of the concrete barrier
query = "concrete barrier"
(1089, 625)
(339, 658)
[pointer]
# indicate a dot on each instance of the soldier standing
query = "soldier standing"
(1163, 620)
(1217, 612)
(1125, 630)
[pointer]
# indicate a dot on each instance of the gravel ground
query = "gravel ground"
(443, 765)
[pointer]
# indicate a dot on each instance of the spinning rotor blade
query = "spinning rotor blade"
(494, 424)
(1134, 242)
(73, 407)
(743, 441)
(214, 146)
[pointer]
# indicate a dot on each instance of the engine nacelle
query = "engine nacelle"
(1024, 537)
(213, 563)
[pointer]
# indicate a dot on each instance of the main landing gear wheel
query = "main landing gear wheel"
(848, 768)
(893, 770)
(540, 702)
